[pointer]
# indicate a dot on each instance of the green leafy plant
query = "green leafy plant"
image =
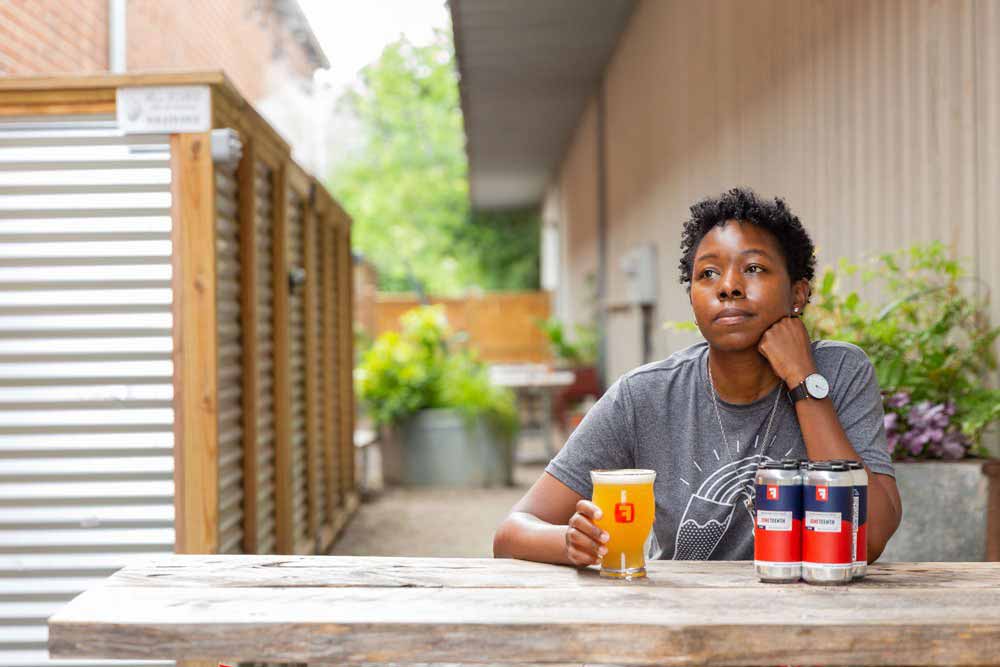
(929, 341)
(417, 369)
(579, 351)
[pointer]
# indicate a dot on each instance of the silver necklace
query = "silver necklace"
(748, 501)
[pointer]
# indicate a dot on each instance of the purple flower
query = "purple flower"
(954, 445)
(890, 421)
(892, 439)
(898, 400)
(927, 415)
(914, 442)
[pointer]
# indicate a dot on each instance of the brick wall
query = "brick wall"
(249, 42)
(53, 37)
(246, 38)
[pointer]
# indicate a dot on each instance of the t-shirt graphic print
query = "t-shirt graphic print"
(710, 509)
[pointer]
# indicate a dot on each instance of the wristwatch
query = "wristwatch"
(814, 386)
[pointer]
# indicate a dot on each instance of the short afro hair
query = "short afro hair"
(744, 205)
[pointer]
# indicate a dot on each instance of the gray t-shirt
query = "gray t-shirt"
(660, 416)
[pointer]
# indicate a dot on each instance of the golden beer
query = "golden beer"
(626, 501)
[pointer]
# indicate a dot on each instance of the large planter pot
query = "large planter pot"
(944, 512)
(444, 448)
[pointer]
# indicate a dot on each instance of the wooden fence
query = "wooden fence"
(502, 326)
(261, 325)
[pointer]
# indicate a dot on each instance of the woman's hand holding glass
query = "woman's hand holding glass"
(585, 542)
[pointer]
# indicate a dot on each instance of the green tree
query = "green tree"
(407, 185)
(503, 247)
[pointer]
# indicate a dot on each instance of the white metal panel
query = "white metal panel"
(86, 443)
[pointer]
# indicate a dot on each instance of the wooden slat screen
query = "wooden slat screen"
(258, 422)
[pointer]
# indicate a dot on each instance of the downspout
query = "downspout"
(602, 240)
(116, 36)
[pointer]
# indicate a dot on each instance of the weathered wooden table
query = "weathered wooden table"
(378, 610)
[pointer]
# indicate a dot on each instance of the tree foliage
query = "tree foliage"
(407, 187)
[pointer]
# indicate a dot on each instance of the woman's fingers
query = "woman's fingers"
(585, 542)
(584, 526)
(588, 509)
(578, 557)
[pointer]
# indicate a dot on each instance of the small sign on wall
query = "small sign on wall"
(164, 109)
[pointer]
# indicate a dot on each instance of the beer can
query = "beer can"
(860, 551)
(827, 538)
(777, 546)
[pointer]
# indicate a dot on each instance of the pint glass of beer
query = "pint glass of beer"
(626, 501)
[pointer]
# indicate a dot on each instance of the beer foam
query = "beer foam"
(623, 477)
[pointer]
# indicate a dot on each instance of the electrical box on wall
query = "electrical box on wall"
(639, 266)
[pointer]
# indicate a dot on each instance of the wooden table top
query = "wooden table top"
(432, 610)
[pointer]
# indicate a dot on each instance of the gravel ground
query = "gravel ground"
(435, 521)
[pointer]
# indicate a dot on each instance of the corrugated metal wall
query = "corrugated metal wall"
(265, 446)
(230, 400)
(318, 490)
(297, 342)
(330, 379)
(877, 121)
(86, 462)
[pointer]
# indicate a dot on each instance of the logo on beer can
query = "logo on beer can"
(822, 494)
(773, 492)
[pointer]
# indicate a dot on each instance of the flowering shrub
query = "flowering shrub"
(930, 343)
(417, 369)
(923, 430)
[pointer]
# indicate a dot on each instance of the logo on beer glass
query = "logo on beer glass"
(624, 512)
(822, 494)
(772, 492)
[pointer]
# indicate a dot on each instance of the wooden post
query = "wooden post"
(283, 487)
(196, 427)
(248, 295)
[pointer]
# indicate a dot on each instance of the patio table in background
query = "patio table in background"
(409, 610)
(534, 385)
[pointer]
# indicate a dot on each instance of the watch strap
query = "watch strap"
(799, 392)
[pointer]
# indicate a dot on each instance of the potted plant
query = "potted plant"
(932, 347)
(579, 355)
(447, 424)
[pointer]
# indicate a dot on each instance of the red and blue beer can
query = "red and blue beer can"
(778, 518)
(828, 538)
(860, 551)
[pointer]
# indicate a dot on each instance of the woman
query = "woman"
(756, 389)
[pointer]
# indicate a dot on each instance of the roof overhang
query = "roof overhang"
(527, 69)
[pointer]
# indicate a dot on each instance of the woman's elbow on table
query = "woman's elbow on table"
(503, 537)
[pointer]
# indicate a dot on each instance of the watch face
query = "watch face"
(817, 386)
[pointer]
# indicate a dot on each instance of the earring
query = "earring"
(795, 309)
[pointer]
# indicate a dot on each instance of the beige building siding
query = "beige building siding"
(575, 200)
(879, 122)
